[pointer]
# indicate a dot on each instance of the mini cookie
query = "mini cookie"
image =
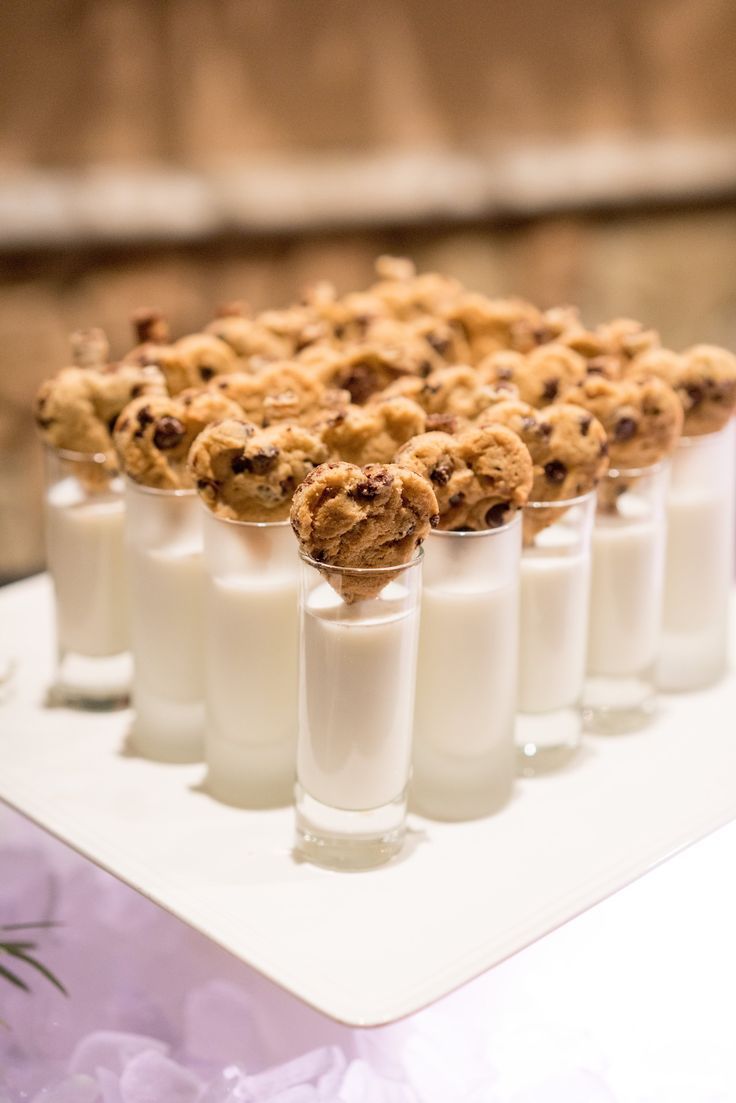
(153, 435)
(567, 445)
(371, 434)
(253, 343)
(545, 375)
(408, 294)
(90, 348)
(352, 517)
(77, 408)
(481, 476)
(284, 391)
(458, 393)
(244, 473)
(189, 362)
(704, 378)
(642, 418)
(493, 324)
(364, 369)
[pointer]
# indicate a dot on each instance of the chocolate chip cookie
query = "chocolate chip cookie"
(642, 417)
(543, 376)
(284, 391)
(372, 434)
(356, 518)
(481, 476)
(704, 378)
(245, 473)
(153, 435)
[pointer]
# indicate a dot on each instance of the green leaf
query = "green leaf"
(21, 956)
(13, 979)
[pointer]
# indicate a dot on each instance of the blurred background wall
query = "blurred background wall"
(184, 152)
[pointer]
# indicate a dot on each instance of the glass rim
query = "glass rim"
(363, 571)
(161, 492)
(692, 440)
(561, 503)
(636, 472)
(79, 457)
(243, 524)
(480, 532)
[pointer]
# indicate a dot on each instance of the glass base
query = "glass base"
(343, 840)
(167, 731)
(617, 706)
(99, 684)
(248, 775)
(454, 789)
(689, 661)
(547, 741)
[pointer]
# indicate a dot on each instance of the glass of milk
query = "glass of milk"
(699, 563)
(629, 540)
(251, 665)
(84, 511)
(464, 758)
(553, 630)
(357, 671)
(166, 571)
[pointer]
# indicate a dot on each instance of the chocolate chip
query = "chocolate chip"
(44, 422)
(695, 393)
(168, 433)
(585, 424)
(441, 473)
(439, 344)
(239, 464)
(288, 485)
(625, 428)
(456, 499)
(207, 484)
(433, 523)
(206, 373)
(319, 555)
(339, 332)
(136, 391)
(259, 463)
(550, 389)
(365, 492)
(544, 429)
(145, 417)
(555, 471)
(496, 515)
(425, 368)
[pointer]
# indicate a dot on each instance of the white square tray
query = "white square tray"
(363, 948)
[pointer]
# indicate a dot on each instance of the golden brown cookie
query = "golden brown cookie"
(364, 368)
(457, 392)
(407, 294)
(191, 361)
(372, 434)
(481, 476)
(153, 435)
(642, 417)
(543, 376)
(251, 341)
(351, 517)
(493, 324)
(567, 445)
(704, 378)
(283, 391)
(77, 408)
(244, 473)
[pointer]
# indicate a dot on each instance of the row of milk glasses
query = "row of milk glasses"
(248, 657)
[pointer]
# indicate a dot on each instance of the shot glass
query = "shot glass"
(84, 510)
(624, 628)
(555, 581)
(251, 661)
(464, 759)
(699, 563)
(357, 671)
(164, 544)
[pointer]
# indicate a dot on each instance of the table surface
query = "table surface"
(373, 947)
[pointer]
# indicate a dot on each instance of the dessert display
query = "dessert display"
(328, 441)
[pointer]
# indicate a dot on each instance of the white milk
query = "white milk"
(356, 698)
(699, 563)
(252, 678)
(553, 627)
(167, 624)
(464, 756)
(86, 559)
(626, 589)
